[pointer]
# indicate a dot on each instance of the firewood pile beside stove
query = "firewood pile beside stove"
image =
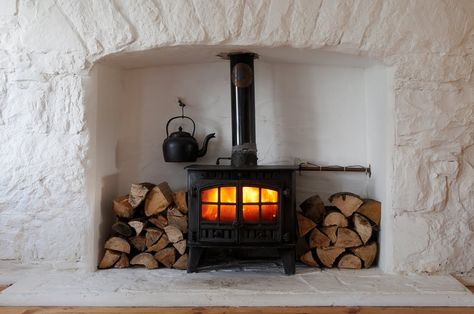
(343, 235)
(152, 224)
(150, 229)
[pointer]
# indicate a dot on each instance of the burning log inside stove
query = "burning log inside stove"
(343, 235)
(150, 230)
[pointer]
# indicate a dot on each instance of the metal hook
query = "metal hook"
(182, 105)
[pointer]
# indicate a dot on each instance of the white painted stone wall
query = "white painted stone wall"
(47, 49)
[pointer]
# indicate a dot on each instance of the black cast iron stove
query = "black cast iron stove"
(242, 206)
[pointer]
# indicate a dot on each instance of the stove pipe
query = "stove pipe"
(244, 148)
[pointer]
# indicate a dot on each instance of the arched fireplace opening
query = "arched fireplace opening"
(310, 106)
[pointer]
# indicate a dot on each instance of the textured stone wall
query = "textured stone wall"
(48, 47)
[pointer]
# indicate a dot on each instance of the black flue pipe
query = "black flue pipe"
(244, 148)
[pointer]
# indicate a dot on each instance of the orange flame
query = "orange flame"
(228, 194)
(224, 199)
(269, 213)
(209, 212)
(209, 195)
(228, 213)
(269, 196)
(250, 194)
(251, 213)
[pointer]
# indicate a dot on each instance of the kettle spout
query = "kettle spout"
(203, 150)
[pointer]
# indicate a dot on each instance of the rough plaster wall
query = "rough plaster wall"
(47, 48)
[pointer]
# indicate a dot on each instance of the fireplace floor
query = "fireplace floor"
(240, 285)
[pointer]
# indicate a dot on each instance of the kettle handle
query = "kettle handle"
(182, 117)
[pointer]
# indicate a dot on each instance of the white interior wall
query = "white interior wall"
(317, 113)
(308, 112)
(380, 141)
(108, 96)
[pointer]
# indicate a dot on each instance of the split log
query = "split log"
(335, 219)
(139, 242)
(308, 259)
(177, 219)
(166, 256)
(180, 201)
(372, 210)
(109, 259)
(350, 261)
(331, 233)
(138, 193)
(122, 229)
(122, 262)
(158, 199)
(122, 208)
(346, 202)
(328, 256)
(173, 233)
(160, 245)
(305, 225)
(182, 262)
(152, 236)
(313, 208)
(117, 244)
(145, 259)
(347, 238)
(366, 253)
(318, 239)
(362, 227)
(137, 226)
(180, 246)
(160, 221)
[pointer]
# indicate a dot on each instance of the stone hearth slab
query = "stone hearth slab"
(262, 285)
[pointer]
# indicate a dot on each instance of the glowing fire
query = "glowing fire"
(228, 194)
(209, 212)
(210, 195)
(227, 213)
(250, 194)
(269, 196)
(258, 204)
(251, 213)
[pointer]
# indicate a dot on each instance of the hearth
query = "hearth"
(242, 206)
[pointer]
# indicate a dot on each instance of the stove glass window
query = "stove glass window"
(219, 204)
(259, 204)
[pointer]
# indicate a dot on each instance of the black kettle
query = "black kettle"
(181, 146)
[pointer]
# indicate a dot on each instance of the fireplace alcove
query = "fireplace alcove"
(314, 106)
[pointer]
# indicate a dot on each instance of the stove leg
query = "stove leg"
(288, 257)
(193, 258)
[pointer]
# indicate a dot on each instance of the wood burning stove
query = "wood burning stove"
(242, 206)
(245, 208)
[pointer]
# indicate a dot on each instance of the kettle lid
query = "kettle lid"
(180, 133)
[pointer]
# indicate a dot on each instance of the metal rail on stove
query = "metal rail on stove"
(313, 167)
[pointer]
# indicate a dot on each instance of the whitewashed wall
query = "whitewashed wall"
(48, 47)
(314, 113)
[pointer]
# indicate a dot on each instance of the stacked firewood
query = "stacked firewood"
(343, 235)
(150, 229)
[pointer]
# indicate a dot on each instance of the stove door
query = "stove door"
(218, 215)
(260, 213)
